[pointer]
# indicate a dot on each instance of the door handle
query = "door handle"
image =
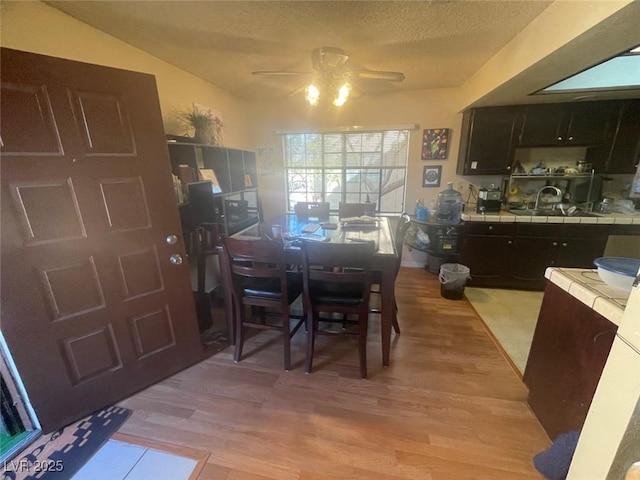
(176, 259)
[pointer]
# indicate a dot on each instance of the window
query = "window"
(353, 167)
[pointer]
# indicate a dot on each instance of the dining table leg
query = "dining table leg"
(388, 306)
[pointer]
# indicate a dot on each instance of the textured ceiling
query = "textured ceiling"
(434, 43)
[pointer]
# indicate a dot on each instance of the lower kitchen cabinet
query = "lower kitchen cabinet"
(568, 352)
(516, 255)
(485, 249)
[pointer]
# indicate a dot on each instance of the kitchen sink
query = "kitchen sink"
(550, 213)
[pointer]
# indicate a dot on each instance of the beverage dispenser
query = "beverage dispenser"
(449, 206)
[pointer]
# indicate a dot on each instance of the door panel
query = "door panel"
(92, 308)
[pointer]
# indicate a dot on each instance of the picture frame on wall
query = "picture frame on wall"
(435, 143)
(431, 176)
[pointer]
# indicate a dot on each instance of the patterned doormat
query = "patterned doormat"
(59, 455)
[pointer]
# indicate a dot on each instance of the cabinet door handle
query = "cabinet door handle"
(559, 139)
(490, 227)
(564, 244)
(510, 242)
(570, 139)
(555, 244)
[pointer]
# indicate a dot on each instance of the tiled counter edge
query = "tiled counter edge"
(601, 219)
(585, 285)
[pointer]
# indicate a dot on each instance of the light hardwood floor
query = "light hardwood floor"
(449, 407)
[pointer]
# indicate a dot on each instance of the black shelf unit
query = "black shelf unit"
(237, 206)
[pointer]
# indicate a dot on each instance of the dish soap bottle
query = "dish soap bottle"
(449, 206)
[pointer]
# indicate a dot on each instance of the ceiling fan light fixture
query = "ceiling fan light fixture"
(342, 95)
(312, 94)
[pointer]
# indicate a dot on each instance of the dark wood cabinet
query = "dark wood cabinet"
(485, 250)
(568, 124)
(516, 255)
(488, 141)
(568, 352)
(624, 154)
(609, 129)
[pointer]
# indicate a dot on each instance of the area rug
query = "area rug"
(510, 316)
(59, 455)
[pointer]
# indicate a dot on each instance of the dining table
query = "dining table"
(332, 229)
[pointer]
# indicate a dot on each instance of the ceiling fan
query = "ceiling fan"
(332, 72)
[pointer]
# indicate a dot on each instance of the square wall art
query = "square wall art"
(431, 176)
(435, 143)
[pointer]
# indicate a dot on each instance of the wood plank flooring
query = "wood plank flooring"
(448, 407)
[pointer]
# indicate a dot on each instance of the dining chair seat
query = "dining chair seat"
(270, 288)
(336, 293)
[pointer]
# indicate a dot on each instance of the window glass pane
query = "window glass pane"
(333, 159)
(372, 142)
(347, 167)
(332, 142)
(354, 159)
(371, 159)
(392, 194)
(333, 187)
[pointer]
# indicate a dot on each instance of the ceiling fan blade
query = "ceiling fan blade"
(378, 75)
(279, 72)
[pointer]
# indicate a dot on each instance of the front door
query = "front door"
(96, 303)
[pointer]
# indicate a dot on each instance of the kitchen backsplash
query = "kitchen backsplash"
(615, 186)
(551, 158)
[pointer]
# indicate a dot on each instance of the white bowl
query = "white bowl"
(618, 272)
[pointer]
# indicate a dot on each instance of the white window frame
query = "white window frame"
(388, 159)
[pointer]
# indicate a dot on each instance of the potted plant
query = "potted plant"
(207, 127)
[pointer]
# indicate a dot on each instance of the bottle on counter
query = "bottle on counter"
(421, 210)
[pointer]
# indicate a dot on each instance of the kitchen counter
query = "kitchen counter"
(585, 285)
(599, 219)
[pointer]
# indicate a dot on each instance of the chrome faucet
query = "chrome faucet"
(555, 189)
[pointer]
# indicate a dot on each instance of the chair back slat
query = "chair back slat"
(346, 210)
(338, 263)
(312, 209)
(256, 259)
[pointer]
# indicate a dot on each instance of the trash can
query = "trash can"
(453, 278)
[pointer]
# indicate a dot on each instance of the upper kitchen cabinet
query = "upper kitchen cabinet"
(488, 141)
(568, 124)
(624, 154)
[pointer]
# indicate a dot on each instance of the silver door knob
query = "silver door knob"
(171, 239)
(175, 259)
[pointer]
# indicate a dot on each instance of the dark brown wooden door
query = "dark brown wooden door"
(92, 307)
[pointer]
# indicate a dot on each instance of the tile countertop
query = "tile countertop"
(585, 285)
(599, 219)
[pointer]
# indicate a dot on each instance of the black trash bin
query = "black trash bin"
(453, 279)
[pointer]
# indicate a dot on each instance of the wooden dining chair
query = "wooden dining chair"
(312, 209)
(337, 279)
(346, 210)
(260, 279)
